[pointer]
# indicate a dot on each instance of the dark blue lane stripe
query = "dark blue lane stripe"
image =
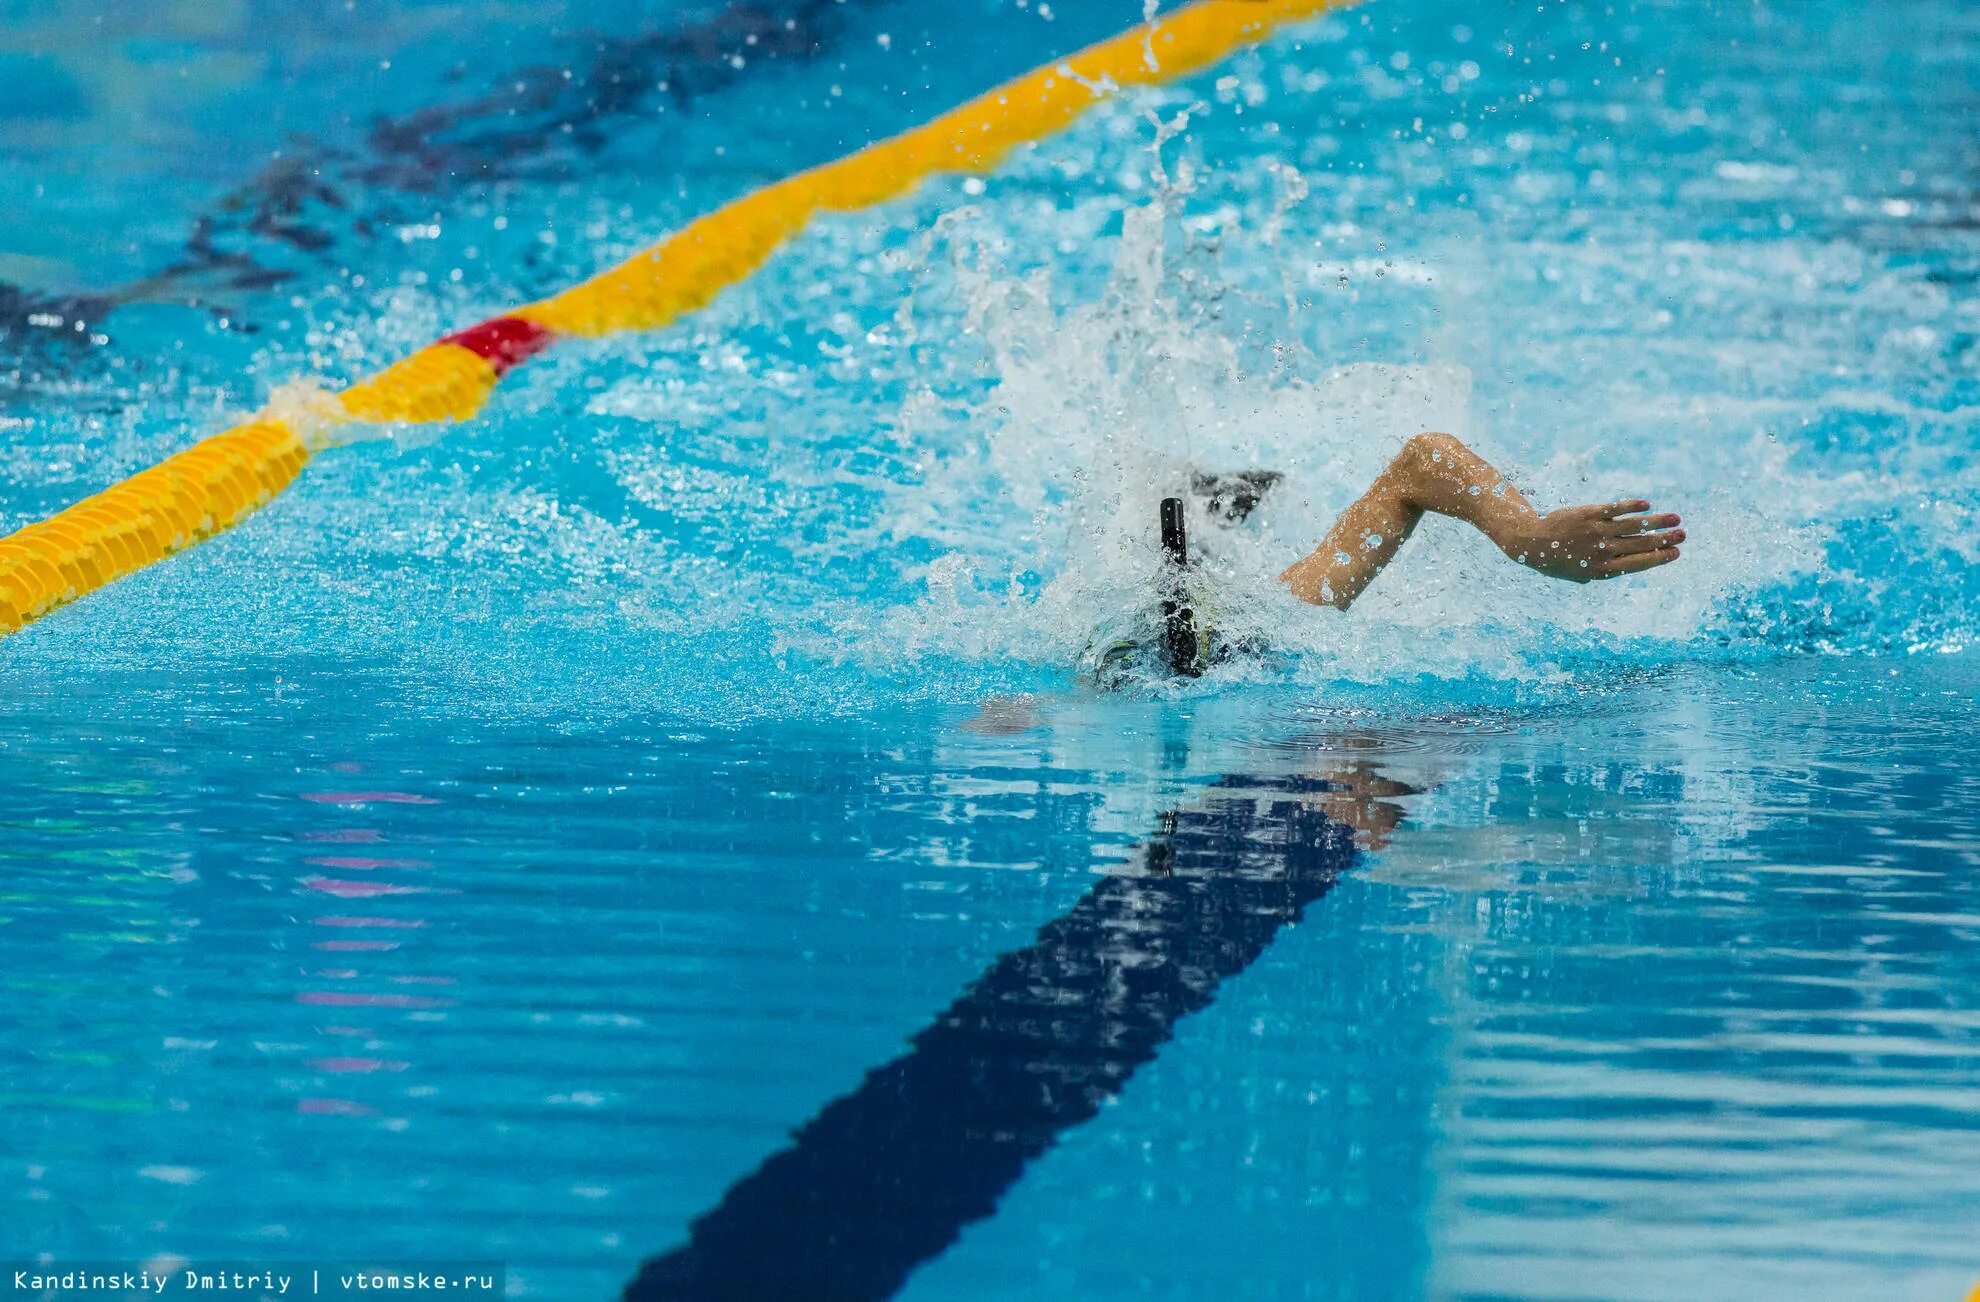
(886, 1177)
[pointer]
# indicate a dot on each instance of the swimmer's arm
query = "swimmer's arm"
(1436, 472)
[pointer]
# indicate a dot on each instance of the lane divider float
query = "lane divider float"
(221, 480)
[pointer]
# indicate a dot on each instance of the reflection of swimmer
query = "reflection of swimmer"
(1435, 472)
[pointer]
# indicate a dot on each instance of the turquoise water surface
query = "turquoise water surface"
(659, 835)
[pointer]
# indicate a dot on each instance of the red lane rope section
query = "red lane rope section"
(504, 341)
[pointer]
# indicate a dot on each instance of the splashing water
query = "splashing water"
(1043, 507)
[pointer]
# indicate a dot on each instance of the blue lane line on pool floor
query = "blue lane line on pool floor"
(886, 1177)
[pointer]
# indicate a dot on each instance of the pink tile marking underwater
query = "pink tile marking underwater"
(332, 1108)
(351, 999)
(356, 890)
(357, 1064)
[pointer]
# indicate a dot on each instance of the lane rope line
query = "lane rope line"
(223, 479)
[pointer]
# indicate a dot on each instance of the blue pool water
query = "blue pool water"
(658, 831)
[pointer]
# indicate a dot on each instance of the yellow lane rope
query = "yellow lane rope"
(223, 479)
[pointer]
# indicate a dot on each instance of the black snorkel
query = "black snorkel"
(1180, 645)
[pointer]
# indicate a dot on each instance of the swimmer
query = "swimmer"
(1436, 472)
(1433, 472)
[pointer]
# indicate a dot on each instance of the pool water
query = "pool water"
(658, 835)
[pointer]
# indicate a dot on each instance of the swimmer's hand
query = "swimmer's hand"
(1583, 544)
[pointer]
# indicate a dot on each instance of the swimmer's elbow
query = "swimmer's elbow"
(1430, 441)
(1422, 452)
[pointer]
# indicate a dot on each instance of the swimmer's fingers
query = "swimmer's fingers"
(1611, 510)
(1633, 544)
(1618, 566)
(1623, 526)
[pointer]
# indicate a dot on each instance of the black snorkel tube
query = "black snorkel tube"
(1180, 645)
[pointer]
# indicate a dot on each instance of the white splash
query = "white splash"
(1043, 494)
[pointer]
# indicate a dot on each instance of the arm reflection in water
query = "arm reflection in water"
(886, 1177)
